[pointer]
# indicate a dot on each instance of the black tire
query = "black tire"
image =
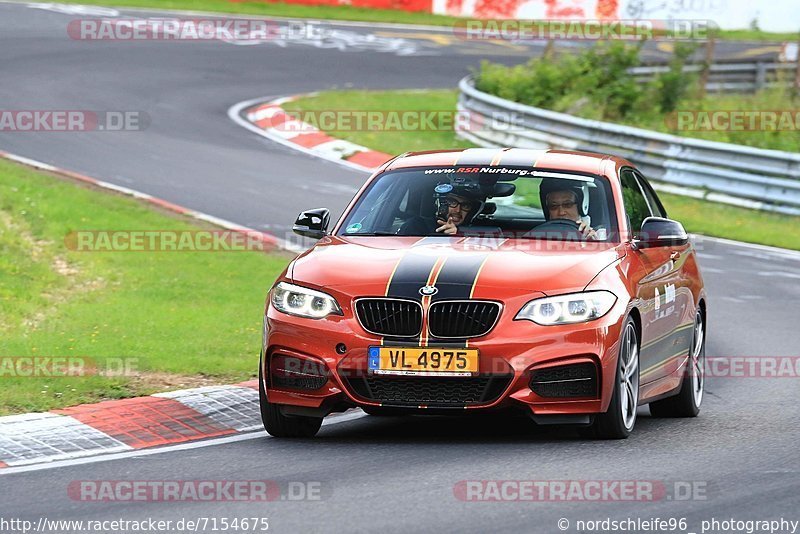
(283, 426)
(688, 400)
(617, 423)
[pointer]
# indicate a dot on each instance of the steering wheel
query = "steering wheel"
(555, 226)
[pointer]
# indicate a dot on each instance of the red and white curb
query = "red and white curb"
(268, 119)
(268, 239)
(129, 424)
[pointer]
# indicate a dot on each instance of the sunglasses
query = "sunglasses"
(566, 205)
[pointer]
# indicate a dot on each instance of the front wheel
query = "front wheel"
(619, 420)
(283, 426)
(687, 402)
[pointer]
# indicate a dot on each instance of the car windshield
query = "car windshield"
(496, 201)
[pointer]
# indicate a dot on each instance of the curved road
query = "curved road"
(387, 474)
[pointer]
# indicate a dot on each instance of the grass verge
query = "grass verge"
(345, 12)
(179, 319)
(282, 9)
(698, 216)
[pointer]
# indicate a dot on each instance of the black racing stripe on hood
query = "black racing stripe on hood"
(458, 276)
(411, 274)
(455, 282)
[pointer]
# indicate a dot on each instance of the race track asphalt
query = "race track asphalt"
(380, 474)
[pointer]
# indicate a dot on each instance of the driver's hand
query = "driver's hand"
(587, 231)
(448, 227)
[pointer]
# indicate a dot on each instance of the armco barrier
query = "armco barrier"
(722, 172)
(733, 77)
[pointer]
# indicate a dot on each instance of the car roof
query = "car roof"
(563, 160)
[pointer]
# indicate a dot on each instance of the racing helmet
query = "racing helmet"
(471, 191)
(550, 185)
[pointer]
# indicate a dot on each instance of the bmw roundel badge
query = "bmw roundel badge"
(428, 291)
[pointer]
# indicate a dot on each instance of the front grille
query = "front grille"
(390, 317)
(462, 318)
(566, 381)
(444, 392)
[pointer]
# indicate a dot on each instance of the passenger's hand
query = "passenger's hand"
(588, 233)
(448, 227)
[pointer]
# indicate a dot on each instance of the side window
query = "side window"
(635, 203)
(655, 204)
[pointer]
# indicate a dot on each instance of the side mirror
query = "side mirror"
(659, 232)
(313, 223)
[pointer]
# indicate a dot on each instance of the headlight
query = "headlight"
(296, 300)
(567, 309)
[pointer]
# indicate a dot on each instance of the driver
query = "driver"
(562, 201)
(457, 206)
(460, 209)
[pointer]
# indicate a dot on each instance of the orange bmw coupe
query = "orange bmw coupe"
(543, 281)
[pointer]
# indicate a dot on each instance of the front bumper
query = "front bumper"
(509, 355)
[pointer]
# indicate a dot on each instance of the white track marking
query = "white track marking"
(72, 9)
(31, 162)
(333, 420)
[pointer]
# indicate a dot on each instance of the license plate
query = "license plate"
(423, 360)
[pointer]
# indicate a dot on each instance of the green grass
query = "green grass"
(392, 142)
(344, 12)
(281, 9)
(731, 222)
(767, 100)
(180, 318)
(698, 216)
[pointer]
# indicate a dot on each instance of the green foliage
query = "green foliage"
(670, 87)
(595, 84)
(596, 79)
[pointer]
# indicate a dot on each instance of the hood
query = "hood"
(460, 267)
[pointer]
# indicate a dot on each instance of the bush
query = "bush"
(599, 75)
(596, 84)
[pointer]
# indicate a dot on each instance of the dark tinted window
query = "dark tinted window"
(655, 204)
(635, 203)
(404, 202)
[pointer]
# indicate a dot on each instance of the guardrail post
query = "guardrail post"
(761, 75)
(709, 60)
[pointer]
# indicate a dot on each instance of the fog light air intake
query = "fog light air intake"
(292, 372)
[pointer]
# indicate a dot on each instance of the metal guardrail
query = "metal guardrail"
(767, 180)
(738, 77)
